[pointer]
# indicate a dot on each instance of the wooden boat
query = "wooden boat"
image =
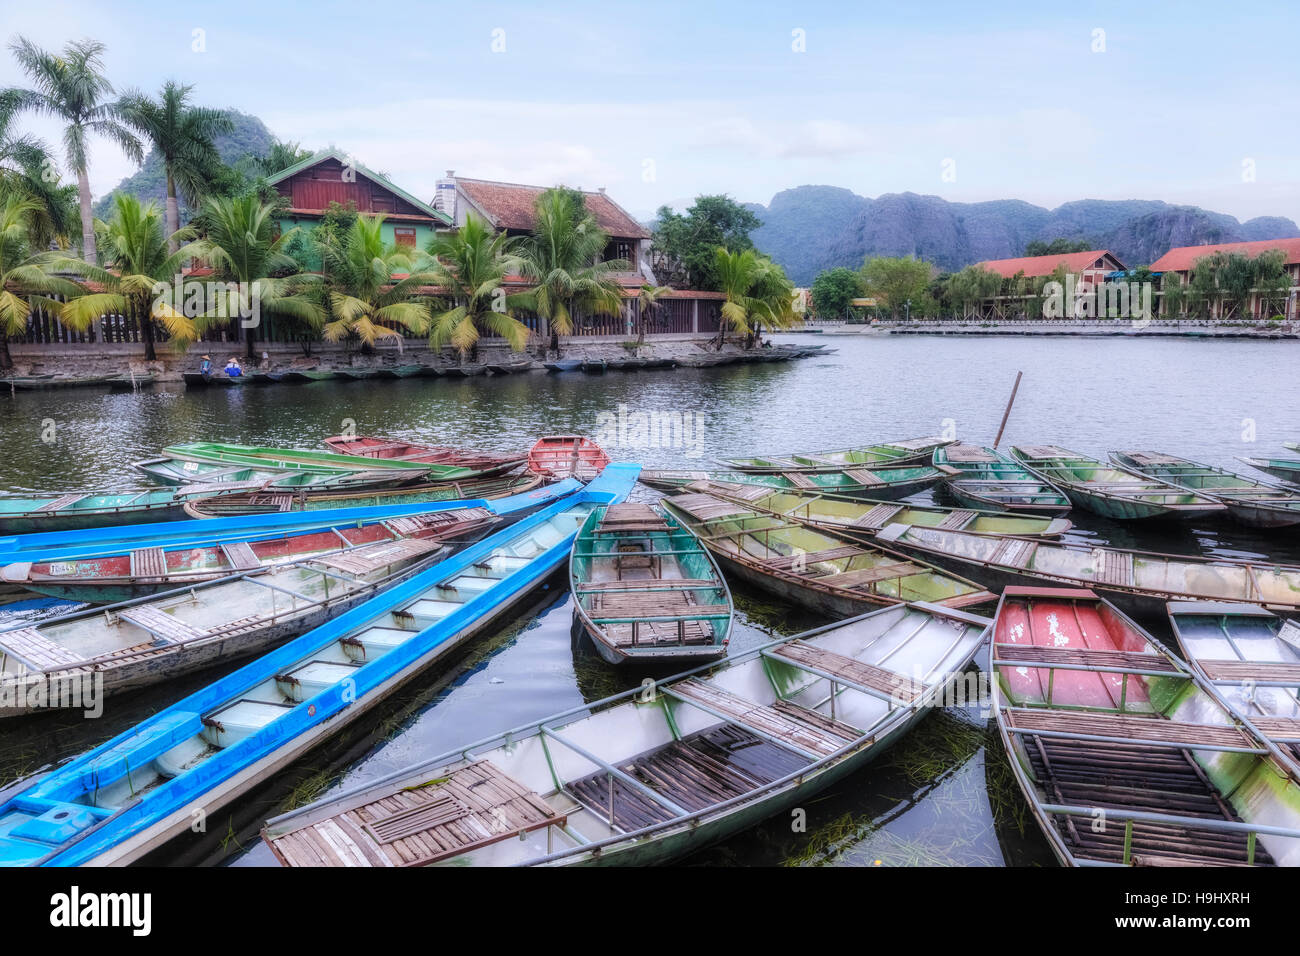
(129, 382)
(65, 511)
(1288, 469)
(149, 640)
(818, 569)
(565, 456)
(1112, 492)
(1259, 504)
(646, 591)
(1125, 756)
(650, 775)
(211, 380)
(42, 383)
(594, 366)
(878, 484)
(855, 516)
(318, 374)
(215, 476)
(294, 459)
(914, 451)
(401, 371)
(1140, 582)
(464, 371)
(1252, 659)
(481, 463)
(511, 368)
(984, 478)
(625, 365)
(130, 795)
(564, 365)
(108, 575)
(358, 374)
(307, 499)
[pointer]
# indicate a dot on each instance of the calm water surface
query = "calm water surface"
(942, 796)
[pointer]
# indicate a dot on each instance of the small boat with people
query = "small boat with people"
(1103, 723)
(983, 478)
(646, 591)
(1257, 504)
(656, 772)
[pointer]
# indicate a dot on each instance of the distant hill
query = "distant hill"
(811, 228)
(250, 135)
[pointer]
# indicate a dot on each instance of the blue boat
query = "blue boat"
(564, 365)
(133, 793)
(105, 542)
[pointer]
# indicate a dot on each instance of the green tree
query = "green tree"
(834, 290)
(561, 262)
(1057, 247)
(1272, 283)
(1203, 288)
(71, 87)
(182, 134)
(470, 265)
(758, 294)
(372, 286)
(280, 157)
(647, 301)
(242, 248)
(138, 255)
(27, 170)
(684, 246)
(895, 281)
(1174, 294)
(963, 292)
(27, 281)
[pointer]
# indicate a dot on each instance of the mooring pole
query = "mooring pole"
(1007, 414)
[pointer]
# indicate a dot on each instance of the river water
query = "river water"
(945, 794)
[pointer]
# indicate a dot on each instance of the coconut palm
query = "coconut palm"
(137, 251)
(27, 281)
(242, 248)
(471, 265)
(647, 302)
(71, 87)
(279, 157)
(371, 286)
(758, 294)
(27, 170)
(182, 135)
(561, 261)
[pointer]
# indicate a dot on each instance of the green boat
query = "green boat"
(293, 459)
(986, 479)
(913, 451)
(358, 374)
(1259, 504)
(1112, 492)
(880, 484)
(817, 569)
(200, 475)
(1288, 469)
(857, 516)
(308, 498)
(646, 591)
(401, 371)
(72, 511)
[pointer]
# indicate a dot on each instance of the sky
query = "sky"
(659, 102)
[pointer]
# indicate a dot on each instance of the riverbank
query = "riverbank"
(1107, 328)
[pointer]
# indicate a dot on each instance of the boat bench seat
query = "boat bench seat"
(149, 563)
(864, 477)
(1005, 654)
(860, 576)
(878, 517)
(788, 726)
(706, 507)
(241, 556)
(787, 562)
(957, 520)
(36, 652)
(382, 554)
(1155, 730)
(878, 681)
(1283, 729)
(799, 480)
(60, 503)
(1263, 672)
(638, 586)
(161, 624)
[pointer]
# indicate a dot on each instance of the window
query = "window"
(405, 236)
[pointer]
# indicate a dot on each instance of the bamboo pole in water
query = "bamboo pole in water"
(1007, 414)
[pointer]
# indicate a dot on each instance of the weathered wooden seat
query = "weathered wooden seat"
(1116, 568)
(878, 517)
(799, 480)
(149, 563)
(706, 507)
(668, 584)
(864, 477)
(372, 557)
(59, 503)
(161, 624)
(1005, 654)
(630, 517)
(957, 520)
(1284, 729)
(789, 727)
(862, 576)
(1130, 727)
(884, 682)
(1260, 672)
(241, 556)
(787, 562)
(36, 652)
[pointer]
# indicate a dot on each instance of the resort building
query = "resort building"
(1177, 265)
(1025, 276)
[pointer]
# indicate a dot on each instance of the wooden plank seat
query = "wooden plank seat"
(372, 557)
(220, 487)
(161, 624)
(799, 480)
(630, 517)
(682, 633)
(878, 517)
(1258, 671)
(36, 652)
(968, 453)
(731, 489)
(1117, 568)
(890, 684)
(638, 585)
(604, 604)
(864, 477)
(471, 808)
(1129, 726)
(788, 726)
(60, 503)
(956, 520)
(787, 562)
(1285, 729)
(149, 563)
(1014, 552)
(860, 577)
(1100, 659)
(241, 555)
(280, 501)
(706, 507)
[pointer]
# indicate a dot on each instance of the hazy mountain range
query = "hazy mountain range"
(811, 228)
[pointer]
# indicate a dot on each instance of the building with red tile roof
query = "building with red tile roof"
(1091, 265)
(1177, 265)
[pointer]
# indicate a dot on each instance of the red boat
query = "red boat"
(371, 447)
(567, 456)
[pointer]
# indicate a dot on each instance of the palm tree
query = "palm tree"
(364, 294)
(471, 266)
(647, 302)
(758, 294)
(241, 246)
(182, 136)
(72, 88)
(138, 253)
(27, 170)
(26, 281)
(279, 157)
(561, 259)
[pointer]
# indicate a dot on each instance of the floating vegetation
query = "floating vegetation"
(308, 790)
(937, 746)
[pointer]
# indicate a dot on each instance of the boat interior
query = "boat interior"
(664, 758)
(1089, 475)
